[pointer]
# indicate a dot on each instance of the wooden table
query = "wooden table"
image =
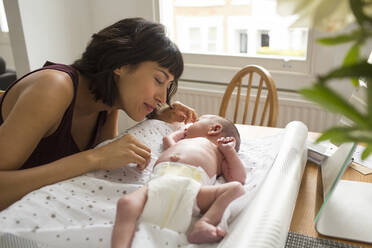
(309, 197)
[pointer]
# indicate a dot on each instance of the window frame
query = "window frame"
(290, 73)
(4, 27)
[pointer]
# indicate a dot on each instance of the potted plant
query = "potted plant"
(331, 16)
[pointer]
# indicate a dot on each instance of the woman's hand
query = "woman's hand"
(123, 151)
(178, 112)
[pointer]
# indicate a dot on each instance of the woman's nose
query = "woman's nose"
(161, 97)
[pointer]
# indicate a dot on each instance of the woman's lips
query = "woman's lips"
(149, 108)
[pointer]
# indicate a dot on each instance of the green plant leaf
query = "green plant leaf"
(352, 55)
(356, 70)
(330, 100)
(355, 82)
(340, 39)
(367, 151)
(337, 135)
(357, 9)
(369, 99)
(361, 135)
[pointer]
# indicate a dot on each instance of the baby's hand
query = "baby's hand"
(226, 143)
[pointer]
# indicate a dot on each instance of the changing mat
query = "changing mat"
(80, 212)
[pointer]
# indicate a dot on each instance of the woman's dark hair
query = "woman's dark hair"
(127, 42)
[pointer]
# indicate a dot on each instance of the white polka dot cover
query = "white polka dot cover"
(79, 212)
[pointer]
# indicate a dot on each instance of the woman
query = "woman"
(51, 118)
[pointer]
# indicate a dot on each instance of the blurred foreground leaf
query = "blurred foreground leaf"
(333, 102)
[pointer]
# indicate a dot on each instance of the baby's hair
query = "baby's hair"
(229, 130)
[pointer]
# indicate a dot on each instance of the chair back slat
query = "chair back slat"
(265, 83)
(247, 96)
(237, 100)
(264, 110)
(257, 102)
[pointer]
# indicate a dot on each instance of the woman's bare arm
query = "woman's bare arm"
(33, 113)
(14, 184)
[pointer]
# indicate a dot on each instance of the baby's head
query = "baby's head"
(213, 126)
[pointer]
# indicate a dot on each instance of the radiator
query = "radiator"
(207, 99)
(291, 107)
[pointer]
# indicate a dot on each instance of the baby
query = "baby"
(186, 171)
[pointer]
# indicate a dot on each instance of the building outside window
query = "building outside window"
(268, 30)
(198, 34)
(218, 36)
(243, 41)
(265, 39)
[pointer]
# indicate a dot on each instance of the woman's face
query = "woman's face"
(141, 89)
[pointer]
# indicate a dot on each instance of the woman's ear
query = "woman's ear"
(215, 129)
(119, 71)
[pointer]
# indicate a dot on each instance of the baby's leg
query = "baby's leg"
(129, 208)
(212, 201)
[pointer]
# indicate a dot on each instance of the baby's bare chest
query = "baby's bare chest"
(197, 152)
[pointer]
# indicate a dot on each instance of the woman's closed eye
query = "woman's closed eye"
(160, 82)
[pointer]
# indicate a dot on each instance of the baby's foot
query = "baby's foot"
(203, 232)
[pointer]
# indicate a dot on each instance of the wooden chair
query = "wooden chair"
(271, 100)
(1, 92)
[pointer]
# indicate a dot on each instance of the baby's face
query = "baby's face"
(199, 128)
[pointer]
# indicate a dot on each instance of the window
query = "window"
(3, 21)
(265, 39)
(212, 39)
(218, 36)
(243, 41)
(194, 39)
(198, 35)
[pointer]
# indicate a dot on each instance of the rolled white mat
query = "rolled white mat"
(266, 220)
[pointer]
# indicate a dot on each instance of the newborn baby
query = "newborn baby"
(182, 183)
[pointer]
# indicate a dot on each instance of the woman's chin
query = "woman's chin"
(137, 117)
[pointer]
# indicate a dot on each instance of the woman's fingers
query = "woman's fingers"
(184, 113)
(144, 154)
(178, 112)
(123, 151)
(129, 139)
(141, 154)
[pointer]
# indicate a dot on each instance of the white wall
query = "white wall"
(58, 30)
(107, 12)
(55, 30)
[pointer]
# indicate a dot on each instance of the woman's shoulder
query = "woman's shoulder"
(45, 87)
(47, 83)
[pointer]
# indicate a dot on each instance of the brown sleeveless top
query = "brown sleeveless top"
(59, 144)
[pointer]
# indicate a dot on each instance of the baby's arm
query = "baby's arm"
(232, 167)
(173, 138)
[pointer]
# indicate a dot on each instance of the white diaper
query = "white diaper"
(185, 170)
(171, 197)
